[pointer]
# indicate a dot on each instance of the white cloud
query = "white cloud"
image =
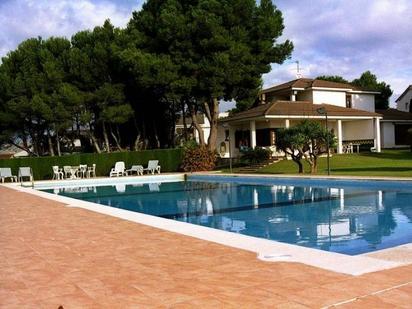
(22, 19)
(349, 37)
(331, 37)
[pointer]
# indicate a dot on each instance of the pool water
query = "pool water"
(345, 218)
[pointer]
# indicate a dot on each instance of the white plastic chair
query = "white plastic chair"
(67, 169)
(152, 167)
(24, 172)
(5, 173)
(57, 173)
(81, 172)
(91, 171)
(118, 170)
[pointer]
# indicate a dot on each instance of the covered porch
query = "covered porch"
(352, 131)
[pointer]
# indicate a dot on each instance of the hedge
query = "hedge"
(169, 159)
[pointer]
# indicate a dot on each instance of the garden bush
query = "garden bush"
(169, 159)
(256, 155)
(197, 158)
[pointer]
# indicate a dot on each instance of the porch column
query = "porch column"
(377, 134)
(232, 141)
(252, 134)
(287, 123)
(293, 95)
(339, 129)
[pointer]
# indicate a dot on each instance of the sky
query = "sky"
(331, 37)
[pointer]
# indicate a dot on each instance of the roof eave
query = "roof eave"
(365, 92)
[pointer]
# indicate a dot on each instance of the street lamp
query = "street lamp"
(322, 111)
(227, 139)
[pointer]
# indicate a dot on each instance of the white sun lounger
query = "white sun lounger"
(25, 172)
(138, 169)
(5, 173)
(118, 170)
(152, 167)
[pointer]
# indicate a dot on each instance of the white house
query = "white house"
(396, 122)
(404, 102)
(350, 110)
(203, 123)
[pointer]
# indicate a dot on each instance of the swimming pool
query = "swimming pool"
(350, 217)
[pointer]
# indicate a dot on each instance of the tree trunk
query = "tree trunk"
(137, 143)
(58, 144)
(116, 138)
(95, 143)
(171, 133)
(50, 142)
(77, 126)
(314, 167)
(299, 163)
(156, 135)
(300, 167)
(212, 113)
(197, 126)
(106, 137)
(184, 120)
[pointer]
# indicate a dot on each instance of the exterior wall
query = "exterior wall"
(305, 96)
(401, 105)
(388, 135)
(273, 97)
(364, 102)
(337, 98)
(272, 123)
(357, 129)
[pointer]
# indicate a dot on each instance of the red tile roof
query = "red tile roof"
(306, 83)
(394, 114)
(297, 108)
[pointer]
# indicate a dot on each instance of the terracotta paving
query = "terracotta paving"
(53, 255)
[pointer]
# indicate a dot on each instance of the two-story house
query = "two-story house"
(396, 122)
(350, 111)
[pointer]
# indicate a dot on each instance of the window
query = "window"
(406, 106)
(410, 106)
(401, 134)
(226, 135)
(242, 138)
(349, 101)
(265, 137)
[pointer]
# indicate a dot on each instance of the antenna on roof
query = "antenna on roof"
(298, 74)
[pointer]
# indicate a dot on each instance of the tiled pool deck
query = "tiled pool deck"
(53, 255)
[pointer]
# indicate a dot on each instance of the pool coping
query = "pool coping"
(266, 250)
(308, 176)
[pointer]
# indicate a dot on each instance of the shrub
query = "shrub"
(169, 159)
(256, 155)
(198, 158)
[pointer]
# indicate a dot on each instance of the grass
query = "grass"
(393, 163)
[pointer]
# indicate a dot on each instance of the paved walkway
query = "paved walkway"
(52, 255)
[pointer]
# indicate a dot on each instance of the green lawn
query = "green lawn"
(395, 163)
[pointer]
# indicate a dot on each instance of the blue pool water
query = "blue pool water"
(339, 216)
